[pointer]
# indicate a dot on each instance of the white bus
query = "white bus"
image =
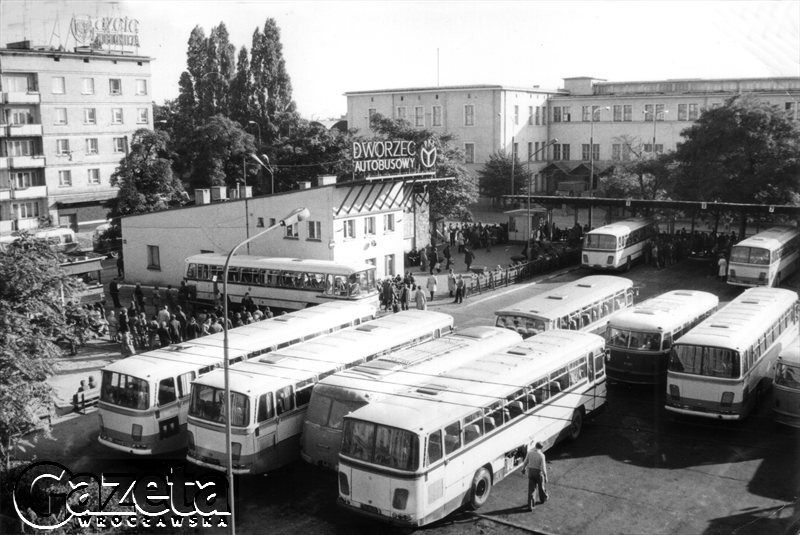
(617, 245)
(270, 395)
(144, 399)
(582, 305)
(638, 339)
(415, 456)
(786, 393)
(766, 259)
(288, 283)
(346, 391)
(723, 366)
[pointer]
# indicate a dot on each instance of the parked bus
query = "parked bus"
(617, 245)
(638, 339)
(346, 391)
(270, 395)
(288, 283)
(415, 456)
(144, 398)
(723, 366)
(786, 394)
(582, 305)
(766, 259)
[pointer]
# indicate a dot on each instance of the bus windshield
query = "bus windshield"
(750, 255)
(380, 444)
(627, 339)
(208, 403)
(329, 412)
(125, 391)
(605, 242)
(788, 376)
(704, 360)
(521, 324)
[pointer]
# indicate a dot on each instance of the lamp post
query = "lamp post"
(595, 110)
(529, 225)
(655, 115)
(259, 132)
(296, 215)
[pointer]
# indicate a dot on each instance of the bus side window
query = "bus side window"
(185, 384)
(284, 401)
(166, 391)
(452, 437)
(434, 447)
(303, 395)
(266, 409)
(668, 340)
(599, 369)
(608, 306)
(191, 272)
(540, 391)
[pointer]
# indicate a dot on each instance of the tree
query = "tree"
(311, 150)
(32, 319)
(448, 199)
(220, 146)
(744, 151)
(639, 175)
(241, 101)
(495, 177)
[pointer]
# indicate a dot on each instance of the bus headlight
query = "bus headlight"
(608, 356)
(732, 272)
(674, 392)
(762, 276)
(236, 451)
(610, 260)
(136, 432)
(344, 485)
(586, 259)
(400, 499)
(727, 399)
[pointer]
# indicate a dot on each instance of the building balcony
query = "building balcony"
(33, 192)
(6, 227)
(27, 162)
(25, 130)
(3, 163)
(5, 194)
(21, 97)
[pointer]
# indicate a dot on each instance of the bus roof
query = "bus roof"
(460, 391)
(740, 323)
(330, 352)
(568, 297)
(283, 264)
(208, 350)
(622, 228)
(772, 238)
(666, 311)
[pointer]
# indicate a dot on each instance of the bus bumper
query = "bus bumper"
(396, 519)
(127, 448)
(786, 419)
(702, 414)
(214, 465)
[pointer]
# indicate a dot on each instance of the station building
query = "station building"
(65, 121)
(596, 123)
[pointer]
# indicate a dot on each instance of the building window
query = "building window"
(89, 116)
(93, 176)
(19, 83)
(24, 179)
(585, 155)
(536, 120)
(536, 151)
(388, 265)
(530, 150)
(469, 115)
(114, 86)
(561, 114)
(469, 152)
(21, 116)
(91, 145)
(260, 222)
(19, 147)
(627, 112)
(544, 115)
(88, 86)
(556, 114)
(62, 147)
(388, 222)
(516, 114)
(65, 178)
(626, 153)
(61, 116)
(272, 221)
(419, 116)
(369, 226)
(586, 113)
(314, 230)
(560, 151)
(141, 115)
(59, 86)
(119, 144)
(530, 115)
(616, 152)
(26, 210)
(116, 115)
(292, 231)
(371, 113)
(437, 116)
(349, 228)
(681, 112)
(141, 87)
(401, 112)
(617, 110)
(596, 151)
(693, 113)
(659, 110)
(153, 257)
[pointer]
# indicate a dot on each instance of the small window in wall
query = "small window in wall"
(116, 115)
(119, 144)
(349, 228)
(88, 86)
(62, 147)
(93, 176)
(114, 86)
(260, 222)
(314, 230)
(153, 257)
(388, 222)
(59, 86)
(389, 265)
(437, 116)
(292, 231)
(61, 116)
(469, 152)
(369, 226)
(89, 116)
(142, 115)
(91, 145)
(65, 178)
(141, 87)
(469, 115)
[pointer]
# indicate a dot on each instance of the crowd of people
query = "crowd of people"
(665, 249)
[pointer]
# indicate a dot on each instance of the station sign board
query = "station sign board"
(105, 32)
(392, 156)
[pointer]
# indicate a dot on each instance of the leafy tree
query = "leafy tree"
(495, 177)
(220, 145)
(744, 151)
(32, 320)
(451, 198)
(639, 175)
(311, 150)
(241, 102)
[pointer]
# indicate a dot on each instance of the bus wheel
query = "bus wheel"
(576, 424)
(628, 264)
(481, 488)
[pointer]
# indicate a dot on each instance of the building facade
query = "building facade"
(65, 123)
(372, 223)
(566, 136)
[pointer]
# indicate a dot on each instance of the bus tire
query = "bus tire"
(628, 264)
(576, 424)
(481, 488)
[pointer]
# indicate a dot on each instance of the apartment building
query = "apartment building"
(66, 119)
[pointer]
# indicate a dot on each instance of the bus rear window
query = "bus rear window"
(750, 255)
(208, 403)
(705, 361)
(625, 339)
(524, 326)
(380, 444)
(788, 376)
(605, 242)
(125, 391)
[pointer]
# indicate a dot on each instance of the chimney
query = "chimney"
(219, 193)
(326, 180)
(245, 192)
(233, 193)
(305, 184)
(202, 196)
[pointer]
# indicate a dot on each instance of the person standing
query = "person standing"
(451, 283)
(419, 299)
(405, 296)
(469, 257)
(138, 296)
(447, 257)
(113, 289)
(431, 285)
(433, 260)
(156, 298)
(192, 329)
(460, 287)
(536, 466)
(722, 268)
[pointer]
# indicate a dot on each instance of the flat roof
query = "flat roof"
(69, 53)
(476, 87)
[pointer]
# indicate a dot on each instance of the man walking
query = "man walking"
(113, 289)
(431, 285)
(536, 467)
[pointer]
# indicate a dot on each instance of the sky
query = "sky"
(332, 47)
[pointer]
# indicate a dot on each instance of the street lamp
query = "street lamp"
(259, 132)
(268, 166)
(296, 215)
(529, 225)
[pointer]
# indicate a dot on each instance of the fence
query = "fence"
(485, 279)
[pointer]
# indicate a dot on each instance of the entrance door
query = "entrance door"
(69, 220)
